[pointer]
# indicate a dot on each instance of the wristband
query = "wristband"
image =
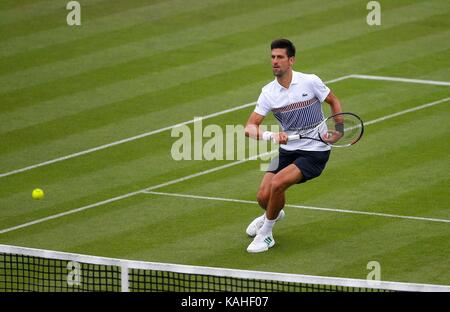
(267, 135)
(339, 127)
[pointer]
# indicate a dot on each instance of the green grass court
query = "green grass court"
(138, 66)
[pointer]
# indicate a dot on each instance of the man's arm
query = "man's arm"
(336, 108)
(334, 102)
(252, 130)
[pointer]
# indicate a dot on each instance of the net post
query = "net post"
(124, 277)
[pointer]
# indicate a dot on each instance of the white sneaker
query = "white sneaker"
(256, 224)
(261, 243)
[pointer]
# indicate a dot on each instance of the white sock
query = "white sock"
(267, 227)
(264, 216)
(279, 213)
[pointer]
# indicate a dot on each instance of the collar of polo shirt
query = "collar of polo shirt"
(295, 78)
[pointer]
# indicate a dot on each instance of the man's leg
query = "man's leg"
(279, 183)
(264, 190)
(263, 200)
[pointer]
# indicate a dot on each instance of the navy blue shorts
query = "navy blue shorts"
(310, 163)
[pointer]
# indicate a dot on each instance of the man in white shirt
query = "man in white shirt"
(295, 100)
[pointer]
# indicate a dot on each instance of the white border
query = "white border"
(399, 79)
(378, 214)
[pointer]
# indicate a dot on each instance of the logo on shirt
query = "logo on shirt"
(305, 94)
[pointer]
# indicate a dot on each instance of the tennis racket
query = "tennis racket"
(339, 130)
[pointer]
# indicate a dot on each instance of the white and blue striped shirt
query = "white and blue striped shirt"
(298, 107)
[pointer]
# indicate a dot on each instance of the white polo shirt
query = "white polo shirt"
(297, 107)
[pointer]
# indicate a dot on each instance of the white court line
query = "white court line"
(143, 135)
(69, 212)
(387, 215)
(183, 178)
(117, 198)
(208, 171)
(146, 134)
(399, 79)
(133, 138)
(407, 111)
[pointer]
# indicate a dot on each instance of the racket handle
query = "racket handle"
(293, 137)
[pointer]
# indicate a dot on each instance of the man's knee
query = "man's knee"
(278, 185)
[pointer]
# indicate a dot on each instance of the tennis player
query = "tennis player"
(295, 100)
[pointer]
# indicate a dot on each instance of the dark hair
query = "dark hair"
(283, 44)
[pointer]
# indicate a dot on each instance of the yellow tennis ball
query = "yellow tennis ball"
(37, 194)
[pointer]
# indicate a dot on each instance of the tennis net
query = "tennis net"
(29, 269)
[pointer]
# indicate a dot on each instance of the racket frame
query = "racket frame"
(299, 136)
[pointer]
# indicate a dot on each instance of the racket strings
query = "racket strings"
(306, 130)
(342, 129)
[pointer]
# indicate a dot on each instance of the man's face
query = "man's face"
(281, 63)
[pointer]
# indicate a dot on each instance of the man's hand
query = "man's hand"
(280, 137)
(331, 136)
